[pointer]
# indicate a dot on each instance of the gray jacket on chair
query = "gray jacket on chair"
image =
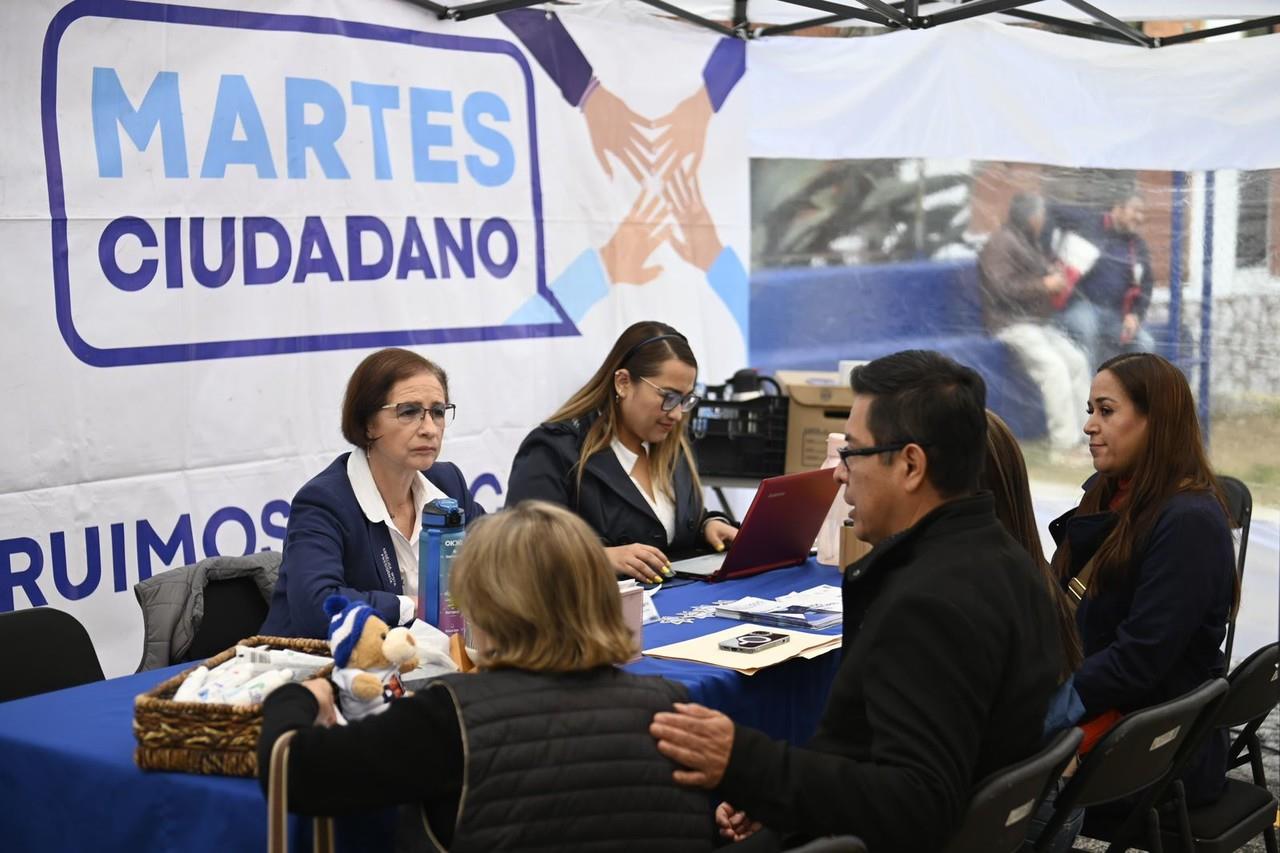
(172, 602)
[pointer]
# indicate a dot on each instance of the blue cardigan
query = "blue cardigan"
(332, 548)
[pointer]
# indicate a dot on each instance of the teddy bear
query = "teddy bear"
(368, 657)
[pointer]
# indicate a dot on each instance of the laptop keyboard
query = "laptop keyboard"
(702, 567)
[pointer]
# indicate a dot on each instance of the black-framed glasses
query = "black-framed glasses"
(873, 450)
(671, 399)
(412, 413)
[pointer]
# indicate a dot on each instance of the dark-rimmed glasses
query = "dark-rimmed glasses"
(412, 413)
(873, 450)
(671, 399)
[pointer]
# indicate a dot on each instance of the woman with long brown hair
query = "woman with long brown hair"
(617, 453)
(1005, 475)
(1147, 555)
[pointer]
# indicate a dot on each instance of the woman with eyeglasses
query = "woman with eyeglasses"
(618, 455)
(354, 527)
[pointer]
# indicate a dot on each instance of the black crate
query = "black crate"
(740, 438)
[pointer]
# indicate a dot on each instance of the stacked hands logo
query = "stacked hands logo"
(231, 196)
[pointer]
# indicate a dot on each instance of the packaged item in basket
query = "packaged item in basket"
(218, 738)
(283, 659)
(253, 691)
(190, 689)
(225, 678)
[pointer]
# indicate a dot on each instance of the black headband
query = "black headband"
(646, 342)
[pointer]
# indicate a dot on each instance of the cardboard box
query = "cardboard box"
(852, 549)
(820, 402)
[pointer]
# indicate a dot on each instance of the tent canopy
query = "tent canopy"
(757, 18)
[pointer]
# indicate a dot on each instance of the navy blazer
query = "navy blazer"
(1156, 634)
(545, 468)
(332, 548)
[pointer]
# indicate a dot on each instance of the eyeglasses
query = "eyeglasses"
(874, 450)
(412, 413)
(671, 399)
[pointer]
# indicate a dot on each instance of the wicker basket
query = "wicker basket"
(195, 737)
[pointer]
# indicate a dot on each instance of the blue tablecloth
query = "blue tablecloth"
(68, 781)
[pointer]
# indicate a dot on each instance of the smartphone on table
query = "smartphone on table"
(754, 641)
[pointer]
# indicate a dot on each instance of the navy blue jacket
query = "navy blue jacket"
(1116, 270)
(546, 468)
(1157, 633)
(332, 548)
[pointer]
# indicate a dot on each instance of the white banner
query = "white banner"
(982, 90)
(210, 215)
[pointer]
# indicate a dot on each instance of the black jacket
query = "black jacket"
(1013, 268)
(545, 468)
(1156, 634)
(951, 653)
(567, 753)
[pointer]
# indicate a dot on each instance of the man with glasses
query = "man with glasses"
(950, 645)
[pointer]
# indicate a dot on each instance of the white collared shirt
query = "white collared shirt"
(375, 509)
(661, 505)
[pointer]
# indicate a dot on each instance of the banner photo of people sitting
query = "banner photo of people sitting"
(1036, 275)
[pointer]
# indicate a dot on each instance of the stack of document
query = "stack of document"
(707, 650)
(816, 608)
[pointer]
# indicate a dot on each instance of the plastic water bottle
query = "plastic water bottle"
(442, 522)
(828, 543)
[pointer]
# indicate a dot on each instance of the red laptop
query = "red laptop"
(778, 530)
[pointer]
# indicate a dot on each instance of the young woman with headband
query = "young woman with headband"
(618, 455)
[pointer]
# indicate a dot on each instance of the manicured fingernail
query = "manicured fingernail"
(666, 570)
(719, 546)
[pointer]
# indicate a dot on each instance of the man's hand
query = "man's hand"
(1129, 330)
(626, 255)
(696, 738)
(700, 245)
(615, 129)
(733, 824)
(683, 134)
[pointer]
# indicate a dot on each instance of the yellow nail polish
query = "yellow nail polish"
(719, 546)
(666, 570)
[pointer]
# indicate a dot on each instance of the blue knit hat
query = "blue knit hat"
(346, 624)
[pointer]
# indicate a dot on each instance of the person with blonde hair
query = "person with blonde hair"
(617, 453)
(545, 747)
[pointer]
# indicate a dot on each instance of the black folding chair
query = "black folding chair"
(47, 650)
(1140, 751)
(233, 609)
(832, 844)
(1001, 810)
(1240, 505)
(1246, 809)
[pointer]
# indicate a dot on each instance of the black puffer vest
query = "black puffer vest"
(559, 761)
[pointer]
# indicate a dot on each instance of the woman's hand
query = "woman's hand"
(645, 563)
(322, 689)
(719, 533)
(733, 824)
